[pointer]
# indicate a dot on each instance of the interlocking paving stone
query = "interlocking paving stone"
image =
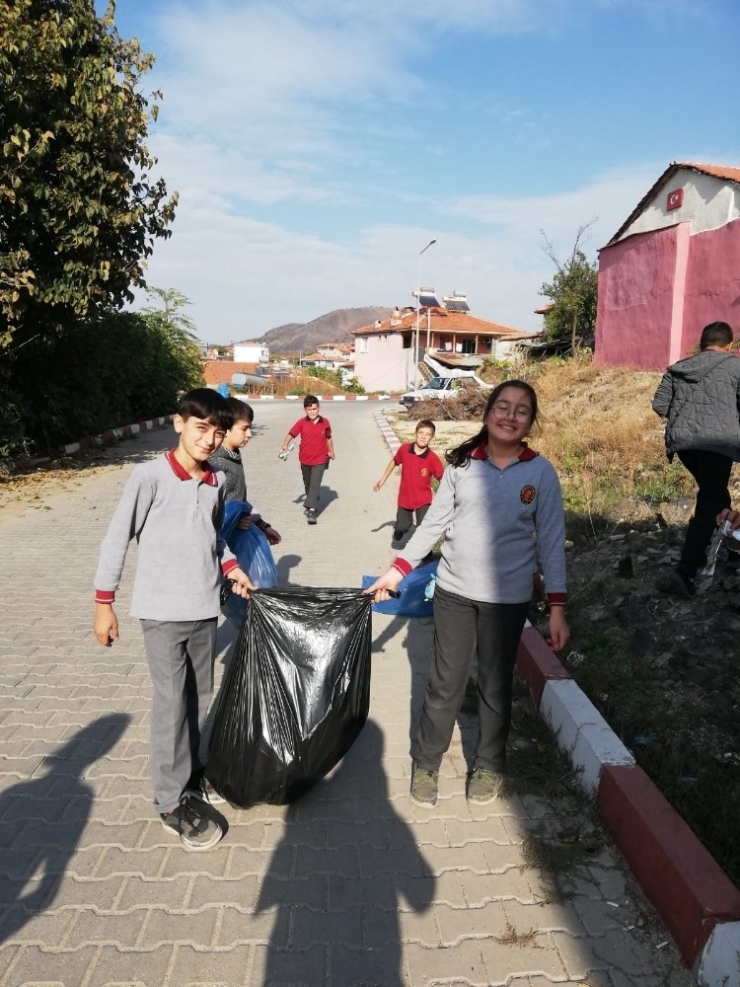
(134, 969)
(353, 884)
(37, 965)
(275, 966)
(164, 926)
(191, 966)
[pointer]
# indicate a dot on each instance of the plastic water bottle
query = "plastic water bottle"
(429, 588)
(723, 541)
(731, 538)
(284, 455)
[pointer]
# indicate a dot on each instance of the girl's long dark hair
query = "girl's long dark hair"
(461, 455)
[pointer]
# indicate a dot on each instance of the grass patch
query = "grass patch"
(514, 938)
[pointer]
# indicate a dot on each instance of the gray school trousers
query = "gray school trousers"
(312, 477)
(463, 628)
(181, 655)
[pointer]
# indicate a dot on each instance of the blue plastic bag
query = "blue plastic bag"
(411, 602)
(253, 553)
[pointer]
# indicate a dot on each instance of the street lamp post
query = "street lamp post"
(418, 314)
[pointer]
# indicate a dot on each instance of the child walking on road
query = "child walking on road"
(418, 465)
(172, 506)
(497, 502)
(317, 448)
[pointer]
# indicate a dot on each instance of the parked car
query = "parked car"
(439, 388)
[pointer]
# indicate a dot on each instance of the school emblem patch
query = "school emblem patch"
(527, 494)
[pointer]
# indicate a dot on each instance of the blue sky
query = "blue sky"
(318, 145)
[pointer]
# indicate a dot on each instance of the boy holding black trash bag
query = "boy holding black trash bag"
(172, 505)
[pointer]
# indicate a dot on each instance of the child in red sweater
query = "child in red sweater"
(418, 465)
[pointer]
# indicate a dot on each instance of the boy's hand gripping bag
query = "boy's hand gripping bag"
(296, 694)
(411, 601)
(253, 554)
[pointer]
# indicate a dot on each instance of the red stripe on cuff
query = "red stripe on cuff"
(556, 598)
(402, 566)
(227, 567)
(105, 596)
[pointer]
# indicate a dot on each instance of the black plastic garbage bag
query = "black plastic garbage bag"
(296, 694)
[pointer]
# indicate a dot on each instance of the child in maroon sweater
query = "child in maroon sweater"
(418, 465)
(317, 448)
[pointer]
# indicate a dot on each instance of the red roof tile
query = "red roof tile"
(220, 371)
(441, 321)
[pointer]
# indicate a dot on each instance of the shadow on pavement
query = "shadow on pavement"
(49, 814)
(356, 867)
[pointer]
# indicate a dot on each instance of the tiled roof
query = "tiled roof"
(722, 172)
(441, 321)
(220, 371)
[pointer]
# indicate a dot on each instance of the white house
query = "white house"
(251, 351)
(385, 352)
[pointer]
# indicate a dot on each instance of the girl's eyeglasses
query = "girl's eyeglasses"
(521, 413)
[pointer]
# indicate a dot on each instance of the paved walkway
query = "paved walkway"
(352, 885)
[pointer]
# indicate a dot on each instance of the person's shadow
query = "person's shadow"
(50, 813)
(355, 866)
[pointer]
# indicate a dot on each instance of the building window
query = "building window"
(363, 344)
(468, 346)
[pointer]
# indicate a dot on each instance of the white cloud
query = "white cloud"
(245, 277)
(312, 105)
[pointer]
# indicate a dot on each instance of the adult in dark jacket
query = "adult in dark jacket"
(700, 397)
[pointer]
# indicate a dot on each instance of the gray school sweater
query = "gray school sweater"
(495, 522)
(175, 522)
(230, 463)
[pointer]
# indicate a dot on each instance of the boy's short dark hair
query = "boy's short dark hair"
(426, 423)
(208, 405)
(715, 334)
(309, 400)
(241, 411)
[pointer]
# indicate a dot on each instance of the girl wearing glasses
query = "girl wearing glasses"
(499, 507)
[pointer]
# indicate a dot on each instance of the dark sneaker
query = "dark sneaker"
(674, 583)
(312, 519)
(191, 825)
(484, 786)
(424, 786)
(398, 535)
(202, 789)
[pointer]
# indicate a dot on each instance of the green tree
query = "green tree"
(171, 302)
(572, 292)
(80, 208)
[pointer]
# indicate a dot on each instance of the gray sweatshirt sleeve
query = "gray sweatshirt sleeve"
(550, 527)
(664, 396)
(126, 523)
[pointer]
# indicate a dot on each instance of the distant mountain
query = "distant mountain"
(334, 327)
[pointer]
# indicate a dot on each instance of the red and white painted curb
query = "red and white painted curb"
(698, 903)
(115, 434)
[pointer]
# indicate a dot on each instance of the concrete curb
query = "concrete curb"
(115, 434)
(696, 900)
(692, 894)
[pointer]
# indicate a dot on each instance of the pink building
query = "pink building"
(673, 267)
